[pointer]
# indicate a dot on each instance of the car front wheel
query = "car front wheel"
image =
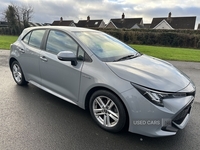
(107, 110)
(18, 74)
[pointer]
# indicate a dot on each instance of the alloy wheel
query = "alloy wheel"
(105, 111)
(17, 74)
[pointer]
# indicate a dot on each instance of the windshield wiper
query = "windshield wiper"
(126, 57)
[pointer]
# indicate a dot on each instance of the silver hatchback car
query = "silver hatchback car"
(95, 71)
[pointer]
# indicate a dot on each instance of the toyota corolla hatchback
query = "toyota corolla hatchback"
(93, 70)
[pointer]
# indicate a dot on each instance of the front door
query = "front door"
(60, 76)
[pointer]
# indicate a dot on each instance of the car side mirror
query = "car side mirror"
(67, 56)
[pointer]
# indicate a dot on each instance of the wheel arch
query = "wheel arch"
(24, 81)
(12, 59)
(94, 89)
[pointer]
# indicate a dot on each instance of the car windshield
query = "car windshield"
(106, 47)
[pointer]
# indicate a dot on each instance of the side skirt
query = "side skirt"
(52, 92)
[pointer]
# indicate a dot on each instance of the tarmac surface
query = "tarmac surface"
(32, 119)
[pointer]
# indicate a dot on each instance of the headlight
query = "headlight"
(156, 97)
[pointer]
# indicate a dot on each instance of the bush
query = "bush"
(173, 38)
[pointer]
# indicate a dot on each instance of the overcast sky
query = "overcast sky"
(50, 10)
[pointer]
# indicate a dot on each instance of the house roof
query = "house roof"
(32, 24)
(126, 22)
(62, 23)
(176, 22)
(38, 24)
(89, 23)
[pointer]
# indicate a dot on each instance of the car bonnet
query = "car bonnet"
(150, 72)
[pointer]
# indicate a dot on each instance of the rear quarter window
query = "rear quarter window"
(27, 37)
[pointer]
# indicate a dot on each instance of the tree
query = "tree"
(10, 16)
(18, 17)
(26, 15)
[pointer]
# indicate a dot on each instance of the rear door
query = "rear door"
(60, 76)
(30, 54)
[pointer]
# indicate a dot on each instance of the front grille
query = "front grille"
(181, 116)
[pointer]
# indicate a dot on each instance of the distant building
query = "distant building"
(174, 22)
(3, 24)
(137, 26)
(46, 24)
(147, 25)
(198, 28)
(128, 23)
(62, 22)
(91, 23)
(33, 24)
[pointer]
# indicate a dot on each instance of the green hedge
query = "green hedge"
(9, 31)
(172, 38)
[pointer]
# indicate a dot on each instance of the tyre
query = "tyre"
(18, 74)
(107, 111)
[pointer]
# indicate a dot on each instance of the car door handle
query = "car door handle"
(43, 58)
(21, 50)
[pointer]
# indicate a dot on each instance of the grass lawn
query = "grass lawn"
(166, 53)
(6, 40)
(169, 53)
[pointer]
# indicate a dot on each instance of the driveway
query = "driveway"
(32, 119)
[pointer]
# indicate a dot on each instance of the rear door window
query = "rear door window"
(34, 38)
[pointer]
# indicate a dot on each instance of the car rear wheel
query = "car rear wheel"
(18, 74)
(107, 111)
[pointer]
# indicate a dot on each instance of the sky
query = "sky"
(46, 11)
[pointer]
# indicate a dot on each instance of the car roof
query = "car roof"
(63, 28)
(66, 28)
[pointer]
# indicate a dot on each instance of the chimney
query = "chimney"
(61, 19)
(123, 16)
(169, 17)
(88, 18)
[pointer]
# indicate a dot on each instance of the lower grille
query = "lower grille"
(181, 116)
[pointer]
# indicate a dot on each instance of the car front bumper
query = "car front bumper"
(151, 120)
